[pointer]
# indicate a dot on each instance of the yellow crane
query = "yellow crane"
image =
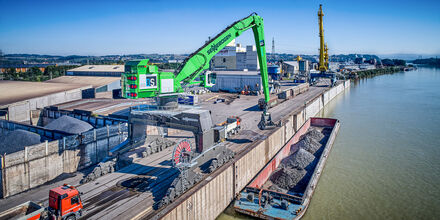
(323, 49)
(323, 56)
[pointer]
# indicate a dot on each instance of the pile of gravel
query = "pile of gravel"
(296, 169)
(309, 144)
(315, 134)
(70, 125)
(287, 178)
(16, 140)
(300, 159)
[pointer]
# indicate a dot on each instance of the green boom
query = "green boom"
(143, 80)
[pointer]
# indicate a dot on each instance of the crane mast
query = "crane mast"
(323, 66)
(323, 50)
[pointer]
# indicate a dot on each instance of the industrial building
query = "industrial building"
(366, 66)
(352, 67)
(19, 99)
(333, 66)
(290, 68)
(304, 66)
(100, 84)
(235, 57)
(356, 67)
(236, 81)
(97, 70)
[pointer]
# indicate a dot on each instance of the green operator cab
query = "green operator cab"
(143, 80)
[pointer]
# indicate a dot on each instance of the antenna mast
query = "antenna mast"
(273, 49)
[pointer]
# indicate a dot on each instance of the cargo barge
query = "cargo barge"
(267, 197)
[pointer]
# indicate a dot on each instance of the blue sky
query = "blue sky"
(154, 26)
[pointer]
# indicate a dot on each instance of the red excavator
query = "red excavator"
(64, 203)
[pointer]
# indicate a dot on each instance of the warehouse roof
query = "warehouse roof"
(17, 91)
(98, 68)
(291, 63)
(94, 81)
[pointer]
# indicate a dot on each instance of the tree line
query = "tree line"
(393, 62)
(35, 74)
(429, 62)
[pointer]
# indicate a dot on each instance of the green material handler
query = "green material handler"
(143, 80)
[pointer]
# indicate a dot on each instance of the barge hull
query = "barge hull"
(253, 199)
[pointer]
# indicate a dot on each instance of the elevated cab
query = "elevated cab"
(143, 80)
(208, 78)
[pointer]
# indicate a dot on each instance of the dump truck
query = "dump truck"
(64, 203)
(224, 130)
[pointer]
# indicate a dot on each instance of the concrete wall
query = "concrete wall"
(49, 115)
(40, 163)
(36, 165)
(209, 201)
(213, 195)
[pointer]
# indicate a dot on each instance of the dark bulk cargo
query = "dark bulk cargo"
(70, 125)
(17, 140)
(283, 189)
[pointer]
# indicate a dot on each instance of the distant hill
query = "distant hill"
(429, 62)
(407, 57)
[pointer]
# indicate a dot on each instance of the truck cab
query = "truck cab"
(65, 203)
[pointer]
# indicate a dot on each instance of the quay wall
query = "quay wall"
(212, 195)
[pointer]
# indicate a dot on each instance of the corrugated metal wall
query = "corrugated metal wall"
(236, 83)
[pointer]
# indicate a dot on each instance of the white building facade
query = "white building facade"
(236, 57)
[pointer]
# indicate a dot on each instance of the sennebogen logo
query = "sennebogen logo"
(215, 46)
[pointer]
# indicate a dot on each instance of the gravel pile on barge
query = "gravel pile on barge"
(286, 177)
(299, 160)
(315, 134)
(295, 170)
(308, 143)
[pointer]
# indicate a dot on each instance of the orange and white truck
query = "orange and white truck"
(64, 203)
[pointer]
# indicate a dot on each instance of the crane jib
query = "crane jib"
(215, 46)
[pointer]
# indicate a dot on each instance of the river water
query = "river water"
(385, 162)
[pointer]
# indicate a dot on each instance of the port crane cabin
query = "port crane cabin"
(144, 80)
